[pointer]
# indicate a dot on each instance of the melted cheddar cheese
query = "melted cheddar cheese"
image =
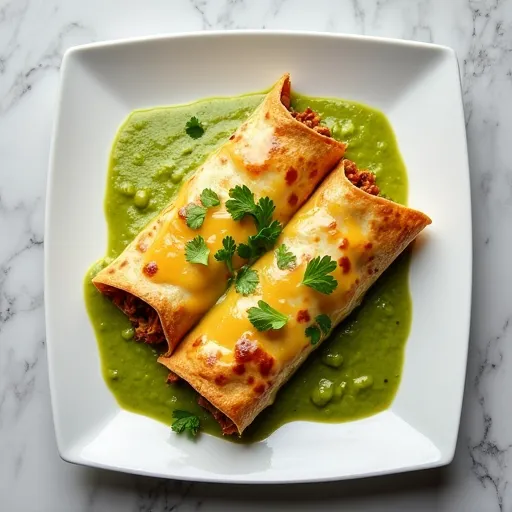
(320, 229)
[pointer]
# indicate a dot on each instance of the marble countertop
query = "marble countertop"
(33, 37)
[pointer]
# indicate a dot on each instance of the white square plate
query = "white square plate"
(417, 86)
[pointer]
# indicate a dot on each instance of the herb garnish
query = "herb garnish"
(285, 259)
(317, 275)
(195, 213)
(209, 198)
(246, 281)
(265, 317)
(185, 420)
(322, 327)
(196, 251)
(194, 128)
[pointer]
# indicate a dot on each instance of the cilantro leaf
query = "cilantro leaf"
(195, 215)
(261, 242)
(226, 254)
(316, 275)
(244, 251)
(209, 198)
(313, 333)
(285, 258)
(194, 128)
(324, 322)
(265, 317)
(196, 251)
(263, 212)
(241, 202)
(246, 281)
(184, 420)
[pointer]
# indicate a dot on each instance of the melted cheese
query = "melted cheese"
(317, 231)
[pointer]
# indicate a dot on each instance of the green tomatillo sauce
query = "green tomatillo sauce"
(355, 373)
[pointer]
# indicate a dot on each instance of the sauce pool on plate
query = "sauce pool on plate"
(355, 373)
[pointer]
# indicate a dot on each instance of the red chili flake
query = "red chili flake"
(150, 269)
(250, 380)
(368, 246)
(259, 389)
(371, 258)
(291, 176)
(370, 271)
(292, 200)
(239, 369)
(197, 342)
(267, 115)
(332, 225)
(344, 244)
(313, 174)
(303, 316)
(220, 380)
(345, 264)
(245, 350)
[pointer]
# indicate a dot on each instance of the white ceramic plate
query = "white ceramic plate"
(417, 87)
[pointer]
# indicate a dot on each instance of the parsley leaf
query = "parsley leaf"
(313, 332)
(194, 128)
(316, 275)
(209, 198)
(246, 281)
(241, 202)
(285, 258)
(195, 215)
(265, 317)
(196, 251)
(324, 322)
(263, 212)
(185, 420)
(226, 254)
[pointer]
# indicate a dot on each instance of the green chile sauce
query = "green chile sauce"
(355, 373)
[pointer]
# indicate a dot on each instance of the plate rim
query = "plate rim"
(68, 454)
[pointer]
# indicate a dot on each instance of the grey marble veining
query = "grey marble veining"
(33, 38)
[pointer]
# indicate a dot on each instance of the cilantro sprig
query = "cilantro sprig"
(209, 198)
(196, 251)
(242, 203)
(265, 317)
(194, 128)
(246, 281)
(285, 259)
(227, 252)
(320, 329)
(185, 421)
(317, 275)
(196, 213)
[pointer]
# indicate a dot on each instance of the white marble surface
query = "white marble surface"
(33, 36)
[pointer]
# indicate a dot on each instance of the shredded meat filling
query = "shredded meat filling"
(143, 317)
(365, 180)
(312, 120)
(228, 427)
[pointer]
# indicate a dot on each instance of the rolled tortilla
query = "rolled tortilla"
(239, 369)
(271, 153)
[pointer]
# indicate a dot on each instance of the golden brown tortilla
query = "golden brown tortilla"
(239, 369)
(271, 153)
